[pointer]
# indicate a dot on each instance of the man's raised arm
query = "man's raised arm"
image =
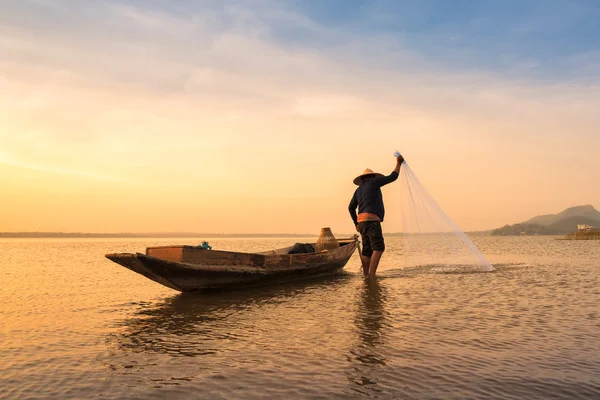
(384, 180)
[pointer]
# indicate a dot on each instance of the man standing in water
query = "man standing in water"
(369, 201)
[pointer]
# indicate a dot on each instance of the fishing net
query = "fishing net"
(431, 240)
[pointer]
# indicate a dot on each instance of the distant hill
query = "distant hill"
(553, 224)
(569, 224)
(543, 220)
(587, 211)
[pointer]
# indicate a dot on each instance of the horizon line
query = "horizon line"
(39, 234)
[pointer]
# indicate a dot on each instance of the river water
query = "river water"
(74, 325)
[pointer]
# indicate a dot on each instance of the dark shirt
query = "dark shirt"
(368, 197)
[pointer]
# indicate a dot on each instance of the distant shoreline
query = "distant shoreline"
(78, 235)
(584, 235)
(167, 235)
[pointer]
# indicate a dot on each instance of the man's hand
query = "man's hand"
(357, 230)
(399, 161)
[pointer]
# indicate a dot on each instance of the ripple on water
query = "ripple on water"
(77, 326)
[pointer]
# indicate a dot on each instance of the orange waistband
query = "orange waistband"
(363, 217)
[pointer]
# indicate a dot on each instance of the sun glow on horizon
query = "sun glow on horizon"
(214, 121)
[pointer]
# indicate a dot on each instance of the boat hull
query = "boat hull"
(217, 270)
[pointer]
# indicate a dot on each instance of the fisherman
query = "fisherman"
(369, 201)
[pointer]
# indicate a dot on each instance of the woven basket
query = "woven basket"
(326, 241)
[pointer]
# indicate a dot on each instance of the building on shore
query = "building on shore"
(585, 228)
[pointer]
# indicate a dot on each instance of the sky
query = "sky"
(255, 116)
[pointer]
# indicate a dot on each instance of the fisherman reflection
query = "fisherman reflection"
(367, 359)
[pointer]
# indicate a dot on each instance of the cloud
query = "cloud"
(8, 159)
(204, 73)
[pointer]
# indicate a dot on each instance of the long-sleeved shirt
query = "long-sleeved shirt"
(368, 198)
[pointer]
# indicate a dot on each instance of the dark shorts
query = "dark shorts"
(372, 237)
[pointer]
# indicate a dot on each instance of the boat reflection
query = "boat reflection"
(190, 324)
(367, 358)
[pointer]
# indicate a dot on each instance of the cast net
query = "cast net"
(431, 240)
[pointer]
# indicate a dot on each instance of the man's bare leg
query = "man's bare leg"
(374, 262)
(366, 264)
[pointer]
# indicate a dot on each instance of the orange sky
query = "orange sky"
(105, 136)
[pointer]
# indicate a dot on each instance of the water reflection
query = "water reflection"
(367, 358)
(191, 324)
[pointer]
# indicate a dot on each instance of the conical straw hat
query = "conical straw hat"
(366, 172)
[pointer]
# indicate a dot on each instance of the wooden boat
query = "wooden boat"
(189, 268)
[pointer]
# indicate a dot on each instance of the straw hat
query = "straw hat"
(366, 172)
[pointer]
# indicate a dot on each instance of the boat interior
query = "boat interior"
(191, 253)
(286, 250)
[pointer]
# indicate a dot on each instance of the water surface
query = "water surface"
(75, 325)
